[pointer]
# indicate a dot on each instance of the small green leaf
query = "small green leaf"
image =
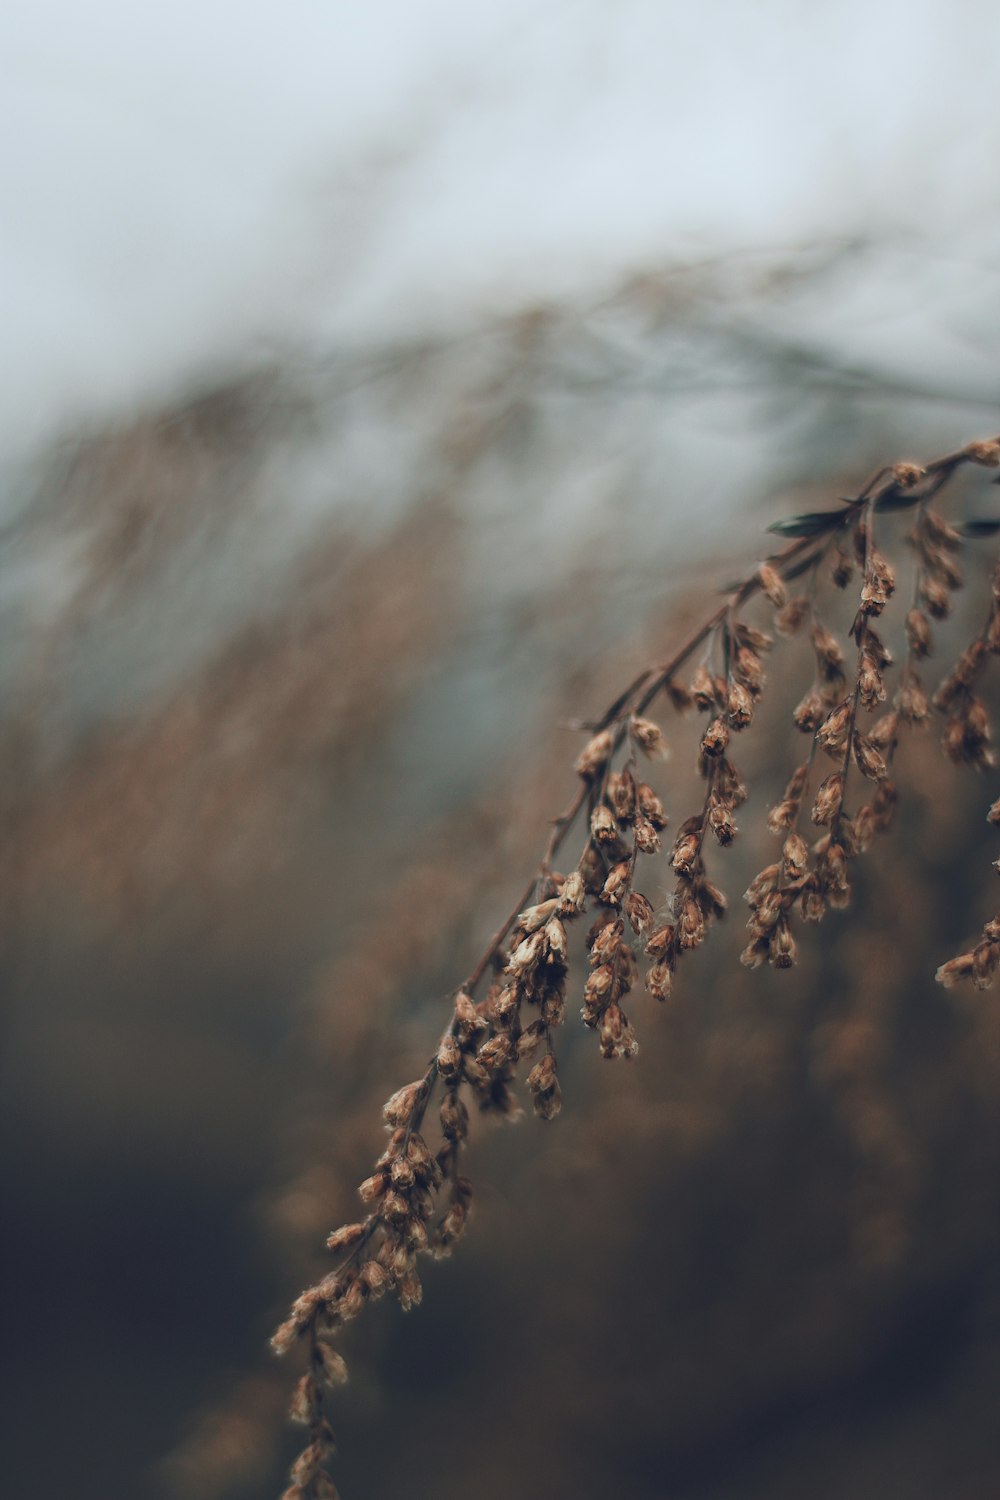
(813, 523)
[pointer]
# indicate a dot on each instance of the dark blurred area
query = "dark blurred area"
(287, 670)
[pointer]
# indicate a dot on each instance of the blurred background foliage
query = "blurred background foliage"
(289, 639)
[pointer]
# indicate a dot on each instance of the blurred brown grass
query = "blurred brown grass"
(763, 1260)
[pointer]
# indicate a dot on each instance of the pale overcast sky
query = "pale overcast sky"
(187, 186)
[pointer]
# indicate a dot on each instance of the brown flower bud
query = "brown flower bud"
(650, 805)
(621, 792)
(715, 739)
(660, 942)
(346, 1237)
(573, 894)
(906, 475)
(871, 762)
(639, 912)
(829, 656)
(373, 1187)
(754, 953)
(987, 453)
(603, 824)
(795, 854)
(690, 925)
(617, 881)
(449, 1058)
(646, 837)
(305, 1405)
(703, 688)
(686, 853)
(918, 633)
(649, 737)
(771, 584)
(722, 823)
(398, 1109)
(912, 701)
(832, 733)
(937, 597)
(616, 1034)
(808, 714)
(410, 1291)
(595, 755)
(763, 884)
(781, 948)
(790, 619)
(740, 705)
(871, 689)
(454, 1118)
(828, 798)
(659, 980)
(955, 969)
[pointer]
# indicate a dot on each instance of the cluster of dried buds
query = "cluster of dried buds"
(417, 1201)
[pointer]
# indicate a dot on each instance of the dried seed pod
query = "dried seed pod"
(795, 854)
(649, 737)
(871, 689)
(660, 942)
(885, 731)
(918, 633)
(721, 822)
(650, 805)
(808, 714)
(603, 824)
(763, 884)
(832, 733)
(617, 882)
(346, 1237)
(703, 688)
(906, 475)
(646, 837)
(748, 669)
(912, 701)
(659, 980)
(572, 894)
(454, 1117)
(828, 798)
(771, 583)
(781, 948)
(690, 925)
(790, 619)
(936, 596)
(715, 739)
(617, 1036)
(639, 912)
(755, 953)
(687, 852)
(829, 656)
(870, 761)
(543, 1085)
(595, 755)
(740, 706)
(305, 1404)
(621, 791)
(449, 1058)
(399, 1108)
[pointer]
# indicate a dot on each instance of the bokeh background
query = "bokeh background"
(382, 389)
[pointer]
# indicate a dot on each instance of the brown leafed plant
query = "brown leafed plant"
(850, 720)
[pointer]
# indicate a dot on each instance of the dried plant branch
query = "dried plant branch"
(416, 1198)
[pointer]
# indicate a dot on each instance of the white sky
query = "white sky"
(186, 186)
